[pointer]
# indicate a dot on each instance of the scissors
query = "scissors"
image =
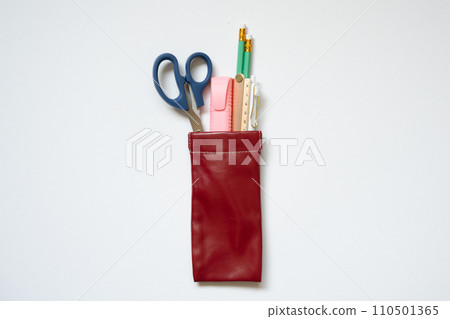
(190, 95)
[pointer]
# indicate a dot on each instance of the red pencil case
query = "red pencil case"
(226, 233)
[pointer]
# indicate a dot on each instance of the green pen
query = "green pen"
(241, 44)
(247, 55)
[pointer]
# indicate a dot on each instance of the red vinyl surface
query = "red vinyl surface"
(226, 206)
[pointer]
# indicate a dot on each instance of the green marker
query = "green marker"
(247, 56)
(241, 44)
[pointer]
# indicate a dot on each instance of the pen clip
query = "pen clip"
(254, 119)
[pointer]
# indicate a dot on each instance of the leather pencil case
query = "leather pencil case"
(226, 235)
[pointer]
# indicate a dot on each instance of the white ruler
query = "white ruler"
(246, 104)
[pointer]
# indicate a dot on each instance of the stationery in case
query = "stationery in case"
(238, 94)
(246, 104)
(221, 103)
(226, 206)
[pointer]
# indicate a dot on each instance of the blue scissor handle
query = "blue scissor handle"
(197, 87)
(180, 101)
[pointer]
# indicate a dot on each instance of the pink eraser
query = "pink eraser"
(221, 103)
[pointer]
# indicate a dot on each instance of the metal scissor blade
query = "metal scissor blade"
(193, 113)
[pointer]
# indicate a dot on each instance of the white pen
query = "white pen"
(254, 105)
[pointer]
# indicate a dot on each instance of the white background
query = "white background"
(369, 82)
